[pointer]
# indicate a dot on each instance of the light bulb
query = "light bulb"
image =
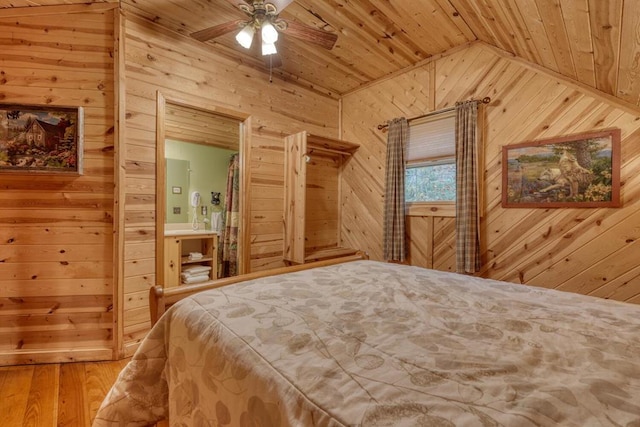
(269, 33)
(245, 36)
(268, 48)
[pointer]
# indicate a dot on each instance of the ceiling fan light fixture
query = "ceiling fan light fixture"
(269, 33)
(245, 36)
(269, 48)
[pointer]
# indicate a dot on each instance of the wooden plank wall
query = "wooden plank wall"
(322, 210)
(187, 70)
(201, 127)
(588, 251)
(56, 232)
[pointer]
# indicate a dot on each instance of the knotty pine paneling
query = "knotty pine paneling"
(363, 176)
(267, 207)
(592, 41)
(201, 127)
(420, 251)
(56, 231)
(588, 251)
(322, 208)
(26, 3)
(186, 70)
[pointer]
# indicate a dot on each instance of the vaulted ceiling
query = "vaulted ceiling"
(594, 42)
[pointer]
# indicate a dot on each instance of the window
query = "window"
(430, 159)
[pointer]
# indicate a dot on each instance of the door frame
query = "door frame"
(244, 236)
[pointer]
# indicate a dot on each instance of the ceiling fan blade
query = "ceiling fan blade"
(279, 4)
(217, 30)
(309, 34)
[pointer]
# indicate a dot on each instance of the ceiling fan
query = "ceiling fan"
(264, 18)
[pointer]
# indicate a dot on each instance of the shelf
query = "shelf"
(328, 254)
(186, 260)
(177, 250)
(331, 145)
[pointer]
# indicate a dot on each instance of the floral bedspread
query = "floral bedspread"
(375, 344)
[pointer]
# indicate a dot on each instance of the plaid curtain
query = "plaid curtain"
(467, 214)
(394, 226)
(228, 244)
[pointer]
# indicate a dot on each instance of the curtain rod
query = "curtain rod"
(484, 100)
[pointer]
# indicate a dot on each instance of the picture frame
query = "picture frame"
(574, 171)
(41, 139)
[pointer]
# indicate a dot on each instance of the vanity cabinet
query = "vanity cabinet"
(176, 256)
(313, 168)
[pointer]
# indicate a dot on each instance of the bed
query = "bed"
(365, 343)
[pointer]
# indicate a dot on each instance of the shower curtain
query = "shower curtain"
(228, 247)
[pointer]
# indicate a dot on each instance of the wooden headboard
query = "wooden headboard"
(161, 299)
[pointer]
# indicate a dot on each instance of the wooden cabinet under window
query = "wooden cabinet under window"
(313, 167)
(177, 250)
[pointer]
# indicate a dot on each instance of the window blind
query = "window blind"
(432, 138)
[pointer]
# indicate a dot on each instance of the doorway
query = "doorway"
(200, 129)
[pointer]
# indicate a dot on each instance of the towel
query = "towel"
(195, 256)
(196, 269)
(216, 222)
(195, 279)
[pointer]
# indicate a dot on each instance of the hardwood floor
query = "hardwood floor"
(54, 394)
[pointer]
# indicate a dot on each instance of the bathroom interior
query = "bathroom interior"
(200, 151)
(196, 185)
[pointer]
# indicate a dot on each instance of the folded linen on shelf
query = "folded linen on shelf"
(195, 256)
(195, 279)
(196, 269)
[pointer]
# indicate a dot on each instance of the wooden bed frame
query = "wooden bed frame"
(161, 299)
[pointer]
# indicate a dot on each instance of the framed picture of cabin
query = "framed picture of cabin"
(45, 139)
(575, 171)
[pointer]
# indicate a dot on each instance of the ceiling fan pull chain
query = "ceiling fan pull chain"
(270, 68)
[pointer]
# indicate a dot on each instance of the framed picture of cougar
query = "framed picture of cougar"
(575, 171)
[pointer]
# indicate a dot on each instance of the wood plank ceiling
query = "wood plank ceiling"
(594, 42)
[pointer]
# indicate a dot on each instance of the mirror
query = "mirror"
(194, 149)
